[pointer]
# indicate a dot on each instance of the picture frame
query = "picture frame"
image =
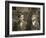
(11, 8)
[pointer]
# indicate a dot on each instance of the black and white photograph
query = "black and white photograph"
(25, 18)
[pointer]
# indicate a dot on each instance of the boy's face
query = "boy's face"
(34, 20)
(21, 17)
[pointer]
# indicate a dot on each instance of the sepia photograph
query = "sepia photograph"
(25, 18)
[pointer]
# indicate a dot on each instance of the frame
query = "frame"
(16, 8)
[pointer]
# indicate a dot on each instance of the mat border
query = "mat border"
(7, 18)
